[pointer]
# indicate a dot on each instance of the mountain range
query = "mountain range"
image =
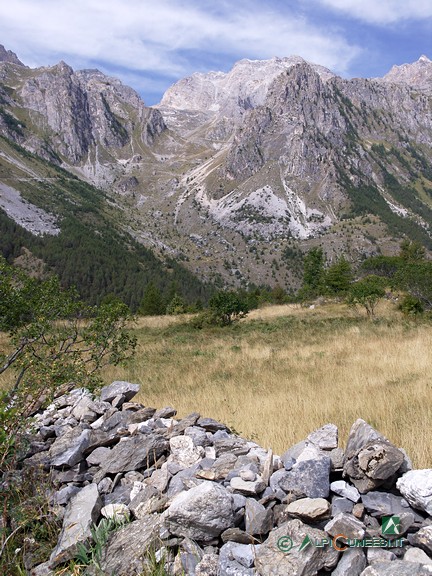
(230, 179)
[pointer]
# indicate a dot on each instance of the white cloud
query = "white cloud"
(163, 37)
(382, 12)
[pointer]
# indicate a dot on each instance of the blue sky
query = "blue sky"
(149, 45)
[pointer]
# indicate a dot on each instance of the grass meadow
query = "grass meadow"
(285, 370)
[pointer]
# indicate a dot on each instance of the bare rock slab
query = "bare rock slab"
(309, 478)
(311, 509)
(134, 453)
(119, 388)
(83, 510)
(202, 513)
(127, 548)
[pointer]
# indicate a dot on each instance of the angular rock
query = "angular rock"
(202, 513)
(160, 478)
(119, 388)
(233, 445)
(147, 501)
(417, 555)
(223, 465)
(370, 459)
(248, 488)
(63, 496)
(341, 488)
(270, 560)
(423, 539)
(352, 563)
(208, 565)
(134, 453)
(309, 478)
(236, 535)
(198, 435)
(167, 412)
(82, 511)
(97, 456)
(416, 486)
(340, 504)
(184, 423)
(385, 504)
(325, 438)
(258, 520)
(82, 410)
(311, 509)
(211, 425)
(184, 452)
(69, 449)
(293, 452)
(345, 524)
(126, 550)
(377, 555)
(119, 512)
(236, 559)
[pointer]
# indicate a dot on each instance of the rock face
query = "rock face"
(206, 502)
(81, 113)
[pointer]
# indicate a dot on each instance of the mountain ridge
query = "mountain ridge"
(233, 171)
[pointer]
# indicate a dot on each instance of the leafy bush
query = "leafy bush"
(411, 305)
(55, 341)
(224, 308)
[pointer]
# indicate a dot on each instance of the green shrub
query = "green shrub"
(411, 305)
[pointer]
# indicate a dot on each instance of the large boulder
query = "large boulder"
(201, 513)
(370, 459)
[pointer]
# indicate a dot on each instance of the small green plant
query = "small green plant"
(91, 554)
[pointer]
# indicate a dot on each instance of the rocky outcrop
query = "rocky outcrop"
(9, 56)
(204, 501)
(74, 116)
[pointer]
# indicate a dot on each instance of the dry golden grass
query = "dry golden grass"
(285, 370)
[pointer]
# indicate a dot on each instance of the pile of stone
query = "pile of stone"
(203, 501)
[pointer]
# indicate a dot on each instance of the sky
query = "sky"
(150, 45)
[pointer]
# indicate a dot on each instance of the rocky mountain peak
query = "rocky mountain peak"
(417, 75)
(230, 94)
(9, 56)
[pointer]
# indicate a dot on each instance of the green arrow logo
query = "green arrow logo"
(305, 543)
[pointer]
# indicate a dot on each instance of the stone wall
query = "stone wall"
(206, 502)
